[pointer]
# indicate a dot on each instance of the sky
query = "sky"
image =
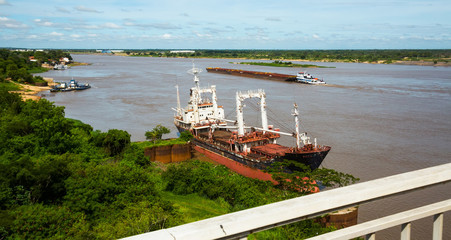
(226, 24)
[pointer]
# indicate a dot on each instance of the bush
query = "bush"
(217, 181)
(116, 141)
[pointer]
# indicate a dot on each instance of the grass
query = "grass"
(159, 143)
(10, 86)
(194, 207)
(78, 64)
(37, 70)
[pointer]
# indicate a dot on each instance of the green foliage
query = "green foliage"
(295, 176)
(186, 136)
(366, 55)
(97, 189)
(116, 141)
(134, 156)
(194, 207)
(157, 133)
(9, 86)
(40, 221)
(18, 67)
(300, 230)
(217, 182)
(138, 218)
(183, 139)
(283, 64)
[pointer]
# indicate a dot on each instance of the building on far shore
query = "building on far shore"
(109, 51)
(182, 51)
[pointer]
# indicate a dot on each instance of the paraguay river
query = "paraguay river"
(379, 119)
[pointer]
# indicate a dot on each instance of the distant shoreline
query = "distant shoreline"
(395, 62)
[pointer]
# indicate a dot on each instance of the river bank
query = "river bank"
(31, 92)
(413, 63)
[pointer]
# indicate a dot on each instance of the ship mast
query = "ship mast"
(196, 95)
(300, 137)
(296, 121)
(240, 97)
(195, 71)
(179, 107)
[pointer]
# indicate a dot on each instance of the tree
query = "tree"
(186, 136)
(116, 141)
(157, 133)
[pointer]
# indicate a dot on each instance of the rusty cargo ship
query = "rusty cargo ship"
(247, 150)
(253, 74)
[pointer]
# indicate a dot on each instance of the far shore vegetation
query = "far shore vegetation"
(18, 67)
(278, 63)
(430, 57)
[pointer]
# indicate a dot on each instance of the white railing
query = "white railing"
(240, 224)
(369, 229)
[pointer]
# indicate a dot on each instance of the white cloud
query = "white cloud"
(164, 26)
(166, 36)
(4, 2)
(202, 35)
(273, 19)
(11, 23)
(63, 10)
(86, 9)
(43, 23)
(75, 36)
(111, 25)
(56, 34)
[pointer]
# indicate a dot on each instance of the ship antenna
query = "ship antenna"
(195, 71)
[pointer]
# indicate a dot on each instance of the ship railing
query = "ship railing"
(239, 225)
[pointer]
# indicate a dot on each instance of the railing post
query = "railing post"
(437, 231)
(405, 231)
(371, 236)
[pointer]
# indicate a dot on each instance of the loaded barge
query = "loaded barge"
(253, 74)
(247, 150)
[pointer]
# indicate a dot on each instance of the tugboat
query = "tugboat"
(247, 150)
(303, 77)
(72, 86)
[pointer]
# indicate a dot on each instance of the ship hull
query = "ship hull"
(254, 168)
(233, 165)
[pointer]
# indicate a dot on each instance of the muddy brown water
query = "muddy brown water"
(379, 120)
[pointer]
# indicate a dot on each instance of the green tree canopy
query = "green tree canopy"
(157, 133)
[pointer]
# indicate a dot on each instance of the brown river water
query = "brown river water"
(379, 119)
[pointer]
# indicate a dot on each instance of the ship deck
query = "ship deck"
(271, 149)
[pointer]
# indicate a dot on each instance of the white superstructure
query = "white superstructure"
(304, 77)
(201, 112)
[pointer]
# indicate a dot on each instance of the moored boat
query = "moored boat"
(303, 77)
(72, 86)
(247, 150)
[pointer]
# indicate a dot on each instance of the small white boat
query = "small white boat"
(303, 77)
